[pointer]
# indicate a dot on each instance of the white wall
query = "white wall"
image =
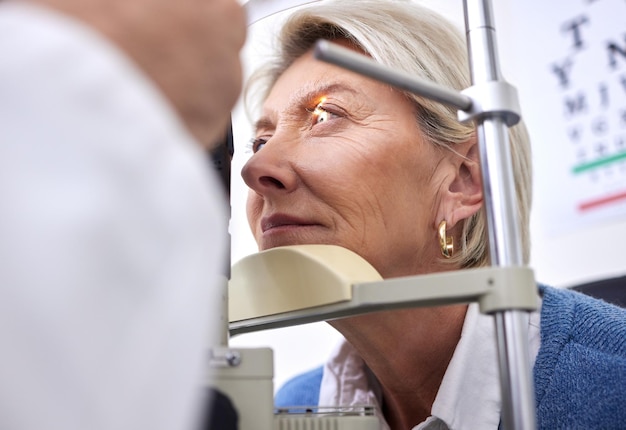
(585, 251)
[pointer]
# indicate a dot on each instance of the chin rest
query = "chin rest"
(291, 278)
(301, 284)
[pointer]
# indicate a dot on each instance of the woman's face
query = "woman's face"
(339, 159)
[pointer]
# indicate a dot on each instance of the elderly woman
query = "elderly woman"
(345, 160)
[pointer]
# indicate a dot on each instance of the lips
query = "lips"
(280, 220)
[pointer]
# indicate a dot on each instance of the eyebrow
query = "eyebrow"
(304, 96)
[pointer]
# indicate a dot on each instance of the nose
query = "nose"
(270, 170)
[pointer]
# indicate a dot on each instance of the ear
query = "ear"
(462, 195)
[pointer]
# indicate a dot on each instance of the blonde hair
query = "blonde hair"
(405, 36)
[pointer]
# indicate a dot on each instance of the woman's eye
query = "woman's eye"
(257, 143)
(321, 114)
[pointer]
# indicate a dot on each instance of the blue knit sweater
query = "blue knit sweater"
(579, 373)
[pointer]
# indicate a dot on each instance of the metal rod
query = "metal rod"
(518, 404)
(499, 193)
(351, 60)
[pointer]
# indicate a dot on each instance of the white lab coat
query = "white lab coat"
(112, 238)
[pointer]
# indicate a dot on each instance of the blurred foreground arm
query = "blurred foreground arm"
(189, 48)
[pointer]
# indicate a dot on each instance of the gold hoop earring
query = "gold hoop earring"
(446, 243)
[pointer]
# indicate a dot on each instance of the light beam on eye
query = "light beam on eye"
(319, 113)
(318, 108)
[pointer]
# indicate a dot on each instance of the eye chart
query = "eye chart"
(570, 68)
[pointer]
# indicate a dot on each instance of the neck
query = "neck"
(408, 351)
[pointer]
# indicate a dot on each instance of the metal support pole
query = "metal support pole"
(518, 405)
